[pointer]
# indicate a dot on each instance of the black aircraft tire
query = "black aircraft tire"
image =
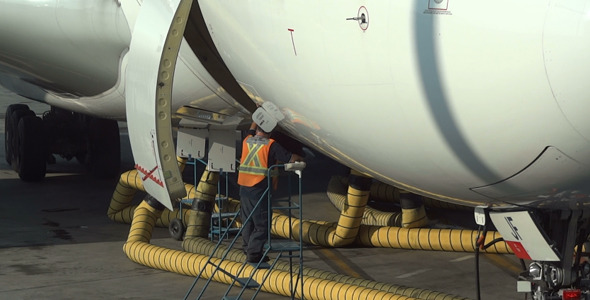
(103, 157)
(10, 127)
(31, 149)
(176, 229)
(15, 118)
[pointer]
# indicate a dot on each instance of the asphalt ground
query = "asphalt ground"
(56, 242)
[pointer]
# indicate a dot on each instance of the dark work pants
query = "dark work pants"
(255, 232)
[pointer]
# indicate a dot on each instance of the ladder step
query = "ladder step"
(283, 245)
(222, 231)
(262, 265)
(244, 280)
(224, 215)
(231, 298)
(187, 201)
(286, 207)
(281, 200)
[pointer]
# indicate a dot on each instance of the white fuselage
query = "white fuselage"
(460, 101)
(445, 101)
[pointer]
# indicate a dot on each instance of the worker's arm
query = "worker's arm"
(253, 126)
(252, 130)
(295, 157)
(278, 154)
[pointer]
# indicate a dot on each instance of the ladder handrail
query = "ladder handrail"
(267, 194)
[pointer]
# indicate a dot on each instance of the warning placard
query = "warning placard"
(523, 236)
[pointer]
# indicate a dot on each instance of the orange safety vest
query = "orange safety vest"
(254, 162)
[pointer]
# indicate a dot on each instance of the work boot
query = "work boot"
(256, 259)
(260, 263)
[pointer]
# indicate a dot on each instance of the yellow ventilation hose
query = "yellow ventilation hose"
(202, 205)
(391, 236)
(377, 236)
(321, 233)
(120, 208)
(352, 212)
(407, 217)
(205, 247)
(139, 250)
(197, 243)
(346, 230)
(319, 284)
(200, 245)
(456, 240)
(336, 194)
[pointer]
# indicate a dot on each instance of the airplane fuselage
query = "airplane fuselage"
(456, 100)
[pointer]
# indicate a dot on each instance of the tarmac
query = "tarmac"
(56, 242)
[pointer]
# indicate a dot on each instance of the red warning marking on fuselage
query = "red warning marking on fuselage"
(149, 174)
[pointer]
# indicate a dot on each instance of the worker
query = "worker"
(259, 152)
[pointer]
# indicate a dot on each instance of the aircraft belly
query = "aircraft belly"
(546, 175)
(435, 100)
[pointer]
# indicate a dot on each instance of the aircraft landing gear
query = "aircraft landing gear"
(24, 142)
(30, 141)
(10, 125)
(30, 150)
(555, 242)
(102, 155)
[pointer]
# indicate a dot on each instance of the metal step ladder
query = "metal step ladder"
(291, 250)
(221, 222)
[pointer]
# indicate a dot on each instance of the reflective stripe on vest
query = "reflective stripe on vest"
(254, 161)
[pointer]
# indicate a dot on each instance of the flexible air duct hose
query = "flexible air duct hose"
(456, 240)
(137, 237)
(120, 201)
(200, 245)
(140, 251)
(390, 237)
(205, 247)
(352, 212)
(381, 192)
(200, 214)
(336, 194)
(317, 232)
(325, 234)
(332, 234)
(120, 208)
